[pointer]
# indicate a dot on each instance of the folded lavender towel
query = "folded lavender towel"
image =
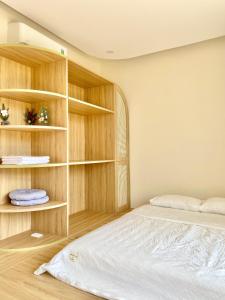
(27, 194)
(30, 202)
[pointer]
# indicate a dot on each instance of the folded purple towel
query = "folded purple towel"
(30, 202)
(27, 194)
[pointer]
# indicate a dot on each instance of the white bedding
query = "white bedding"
(150, 253)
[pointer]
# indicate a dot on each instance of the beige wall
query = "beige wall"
(177, 120)
(177, 115)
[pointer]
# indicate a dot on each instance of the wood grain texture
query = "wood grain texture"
(8, 208)
(50, 143)
(29, 95)
(103, 95)
(13, 224)
(14, 75)
(76, 91)
(100, 187)
(77, 189)
(29, 55)
(52, 221)
(82, 77)
(23, 166)
(31, 128)
(50, 77)
(100, 137)
(84, 108)
(77, 137)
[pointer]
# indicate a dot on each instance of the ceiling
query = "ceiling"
(122, 29)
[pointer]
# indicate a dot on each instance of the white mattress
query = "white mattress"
(151, 253)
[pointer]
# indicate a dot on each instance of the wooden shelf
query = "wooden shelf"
(32, 128)
(24, 242)
(29, 55)
(9, 208)
(29, 95)
(85, 108)
(28, 166)
(89, 162)
(84, 78)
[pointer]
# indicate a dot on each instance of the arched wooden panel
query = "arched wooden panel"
(122, 152)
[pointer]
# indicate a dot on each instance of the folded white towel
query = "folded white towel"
(30, 202)
(27, 194)
(12, 160)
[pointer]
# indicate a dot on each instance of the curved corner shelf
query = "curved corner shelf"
(29, 55)
(85, 108)
(29, 95)
(32, 128)
(9, 208)
(25, 242)
(31, 166)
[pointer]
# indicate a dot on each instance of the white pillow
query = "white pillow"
(177, 201)
(215, 205)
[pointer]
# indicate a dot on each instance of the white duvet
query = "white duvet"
(150, 253)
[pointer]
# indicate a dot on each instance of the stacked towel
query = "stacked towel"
(28, 197)
(24, 160)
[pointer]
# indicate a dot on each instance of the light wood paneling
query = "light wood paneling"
(83, 77)
(76, 92)
(77, 189)
(16, 112)
(100, 139)
(53, 180)
(50, 221)
(77, 137)
(100, 183)
(57, 112)
(25, 242)
(13, 179)
(12, 224)
(14, 75)
(50, 143)
(50, 77)
(101, 95)
(29, 55)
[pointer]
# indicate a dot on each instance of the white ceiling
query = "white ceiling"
(128, 28)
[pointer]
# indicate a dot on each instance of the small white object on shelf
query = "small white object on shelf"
(24, 160)
(37, 235)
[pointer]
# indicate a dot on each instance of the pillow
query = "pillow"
(215, 205)
(177, 201)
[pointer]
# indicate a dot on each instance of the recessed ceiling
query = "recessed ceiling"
(121, 29)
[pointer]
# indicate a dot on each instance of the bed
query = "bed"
(152, 253)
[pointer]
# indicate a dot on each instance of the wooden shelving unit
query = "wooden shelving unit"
(81, 139)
